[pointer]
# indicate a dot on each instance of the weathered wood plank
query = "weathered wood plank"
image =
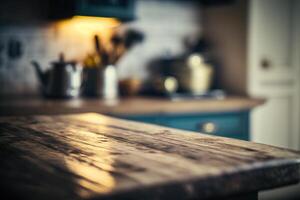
(91, 156)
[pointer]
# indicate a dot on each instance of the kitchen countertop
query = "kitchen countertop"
(91, 156)
(133, 105)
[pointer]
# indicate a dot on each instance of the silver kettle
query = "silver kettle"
(62, 80)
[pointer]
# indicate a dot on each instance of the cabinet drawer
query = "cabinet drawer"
(234, 125)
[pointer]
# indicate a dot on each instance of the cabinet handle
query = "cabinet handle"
(265, 63)
(208, 127)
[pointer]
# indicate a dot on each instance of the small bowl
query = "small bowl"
(130, 86)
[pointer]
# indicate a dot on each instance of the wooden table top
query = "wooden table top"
(133, 105)
(87, 156)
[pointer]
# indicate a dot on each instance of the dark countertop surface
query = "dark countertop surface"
(91, 156)
(132, 105)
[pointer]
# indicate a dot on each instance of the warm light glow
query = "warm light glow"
(84, 26)
(99, 181)
(90, 24)
(93, 24)
(95, 178)
(75, 36)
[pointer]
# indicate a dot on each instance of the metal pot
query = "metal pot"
(193, 74)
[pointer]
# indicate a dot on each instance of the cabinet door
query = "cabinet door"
(274, 70)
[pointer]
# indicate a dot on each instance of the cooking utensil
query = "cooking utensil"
(101, 51)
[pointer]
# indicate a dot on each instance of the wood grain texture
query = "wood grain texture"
(135, 105)
(91, 156)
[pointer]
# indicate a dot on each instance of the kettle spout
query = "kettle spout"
(41, 75)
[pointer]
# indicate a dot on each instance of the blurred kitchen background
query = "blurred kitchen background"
(175, 50)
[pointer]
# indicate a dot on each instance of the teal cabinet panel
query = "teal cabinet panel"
(229, 124)
(124, 10)
(121, 9)
(234, 125)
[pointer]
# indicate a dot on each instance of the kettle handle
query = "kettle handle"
(41, 75)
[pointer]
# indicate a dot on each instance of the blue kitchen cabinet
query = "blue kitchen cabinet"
(121, 9)
(226, 124)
